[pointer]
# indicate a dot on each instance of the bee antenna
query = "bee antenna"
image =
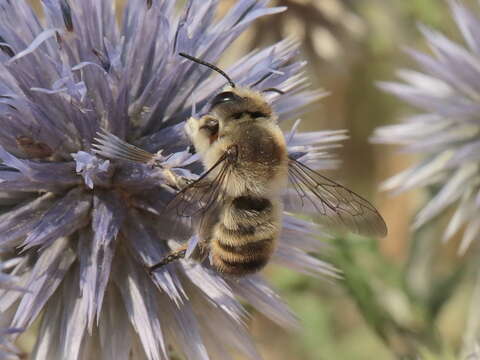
(264, 77)
(211, 66)
(278, 91)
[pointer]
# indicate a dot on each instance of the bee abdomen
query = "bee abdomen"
(250, 203)
(242, 259)
(244, 239)
(248, 250)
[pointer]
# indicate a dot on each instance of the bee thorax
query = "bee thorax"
(260, 145)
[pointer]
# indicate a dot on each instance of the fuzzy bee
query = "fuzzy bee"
(237, 201)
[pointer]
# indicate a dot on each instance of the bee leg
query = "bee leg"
(191, 127)
(174, 180)
(173, 256)
(201, 132)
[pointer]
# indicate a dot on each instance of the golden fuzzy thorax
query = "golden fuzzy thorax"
(241, 236)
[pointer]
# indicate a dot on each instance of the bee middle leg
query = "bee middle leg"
(200, 252)
(174, 180)
(171, 257)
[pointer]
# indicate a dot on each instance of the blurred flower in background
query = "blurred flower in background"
(324, 27)
(447, 130)
(83, 227)
(446, 135)
(7, 350)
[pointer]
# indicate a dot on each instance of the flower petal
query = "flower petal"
(115, 344)
(67, 215)
(46, 275)
(21, 220)
(140, 300)
(256, 291)
(147, 244)
(96, 249)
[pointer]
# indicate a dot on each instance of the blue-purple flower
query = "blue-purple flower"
(85, 227)
(446, 131)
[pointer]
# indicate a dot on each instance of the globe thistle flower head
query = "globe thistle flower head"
(85, 227)
(447, 129)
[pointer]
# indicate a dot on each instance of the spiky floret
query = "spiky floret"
(446, 132)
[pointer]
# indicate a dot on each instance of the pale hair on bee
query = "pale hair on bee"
(237, 201)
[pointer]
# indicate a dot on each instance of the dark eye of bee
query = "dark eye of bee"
(223, 97)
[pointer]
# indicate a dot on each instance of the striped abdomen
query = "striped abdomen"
(244, 238)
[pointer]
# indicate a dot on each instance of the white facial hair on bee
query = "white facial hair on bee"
(249, 219)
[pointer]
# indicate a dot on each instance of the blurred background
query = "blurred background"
(407, 296)
(403, 297)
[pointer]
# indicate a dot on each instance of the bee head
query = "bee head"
(238, 103)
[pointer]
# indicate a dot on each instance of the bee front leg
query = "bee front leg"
(200, 132)
(191, 127)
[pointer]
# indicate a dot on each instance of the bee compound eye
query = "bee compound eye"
(224, 97)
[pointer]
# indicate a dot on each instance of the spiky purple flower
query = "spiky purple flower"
(446, 132)
(84, 226)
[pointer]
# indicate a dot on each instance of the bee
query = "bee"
(237, 201)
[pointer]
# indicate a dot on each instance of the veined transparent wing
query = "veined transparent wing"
(202, 194)
(334, 204)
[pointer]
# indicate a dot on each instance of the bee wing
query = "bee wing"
(197, 197)
(204, 193)
(336, 205)
(196, 205)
